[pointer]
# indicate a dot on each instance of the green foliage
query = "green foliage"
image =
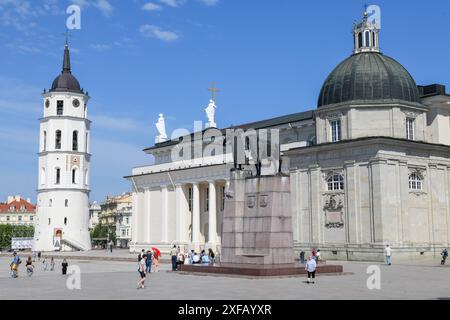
(104, 232)
(9, 231)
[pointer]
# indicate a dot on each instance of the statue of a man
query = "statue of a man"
(210, 112)
(161, 126)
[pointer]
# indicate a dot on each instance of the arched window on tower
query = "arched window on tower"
(45, 141)
(74, 175)
(367, 35)
(58, 136)
(86, 177)
(360, 40)
(58, 176)
(75, 141)
(43, 176)
(374, 44)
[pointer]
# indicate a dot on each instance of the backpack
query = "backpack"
(139, 257)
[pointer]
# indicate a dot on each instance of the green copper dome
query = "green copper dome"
(368, 77)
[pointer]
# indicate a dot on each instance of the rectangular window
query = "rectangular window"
(59, 107)
(58, 176)
(222, 203)
(410, 129)
(207, 199)
(20, 218)
(190, 199)
(8, 218)
(335, 130)
(31, 218)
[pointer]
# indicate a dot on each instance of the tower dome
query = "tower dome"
(66, 81)
(368, 76)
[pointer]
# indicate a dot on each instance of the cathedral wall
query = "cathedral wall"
(377, 204)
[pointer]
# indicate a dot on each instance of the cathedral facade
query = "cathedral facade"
(369, 167)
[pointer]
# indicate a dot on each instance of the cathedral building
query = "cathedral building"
(62, 220)
(369, 167)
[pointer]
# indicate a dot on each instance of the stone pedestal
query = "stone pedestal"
(257, 222)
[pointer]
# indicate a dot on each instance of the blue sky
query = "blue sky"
(138, 58)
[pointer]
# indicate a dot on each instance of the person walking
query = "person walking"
(302, 256)
(388, 255)
(141, 270)
(140, 255)
(180, 259)
(155, 261)
(64, 265)
(29, 266)
(39, 256)
(311, 267)
(111, 244)
(444, 255)
(15, 265)
(52, 264)
(318, 256)
(45, 263)
(173, 255)
(148, 263)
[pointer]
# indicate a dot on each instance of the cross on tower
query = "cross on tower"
(67, 35)
(213, 91)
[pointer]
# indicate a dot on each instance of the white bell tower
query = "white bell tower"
(62, 218)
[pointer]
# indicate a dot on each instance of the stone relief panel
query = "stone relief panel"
(334, 211)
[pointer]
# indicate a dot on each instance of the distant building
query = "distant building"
(94, 211)
(17, 211)
(116, 213)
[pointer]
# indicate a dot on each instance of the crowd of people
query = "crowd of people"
(48, 264)
(148, 260)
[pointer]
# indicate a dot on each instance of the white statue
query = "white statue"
(161, 126)
(210, 112)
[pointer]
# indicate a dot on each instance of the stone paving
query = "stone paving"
(117, 280)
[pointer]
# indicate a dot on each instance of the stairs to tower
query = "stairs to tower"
(75, 245)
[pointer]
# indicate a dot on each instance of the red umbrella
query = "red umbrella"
(156, 251)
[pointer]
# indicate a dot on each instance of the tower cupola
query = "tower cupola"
(365, 35)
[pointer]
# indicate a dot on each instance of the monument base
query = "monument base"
(279, 270)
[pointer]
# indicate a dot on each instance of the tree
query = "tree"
(103, 232)
(9, 231)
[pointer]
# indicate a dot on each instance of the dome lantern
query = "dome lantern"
(365, 35)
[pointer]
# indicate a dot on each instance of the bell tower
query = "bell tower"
(62, 218)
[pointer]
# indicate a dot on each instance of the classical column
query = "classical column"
(135, 218)
(195, 214)
(180, 207)
(212, 215)
(147, 219)
(165, 213)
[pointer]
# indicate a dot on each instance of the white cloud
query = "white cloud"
(118, 123)
(151, 31)
(173, 3)
(100, 47)
(152, 7)
(104, 6)
(209, 3)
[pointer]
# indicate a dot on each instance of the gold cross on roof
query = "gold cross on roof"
(213, 91)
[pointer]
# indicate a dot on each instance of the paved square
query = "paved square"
(111, 280)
